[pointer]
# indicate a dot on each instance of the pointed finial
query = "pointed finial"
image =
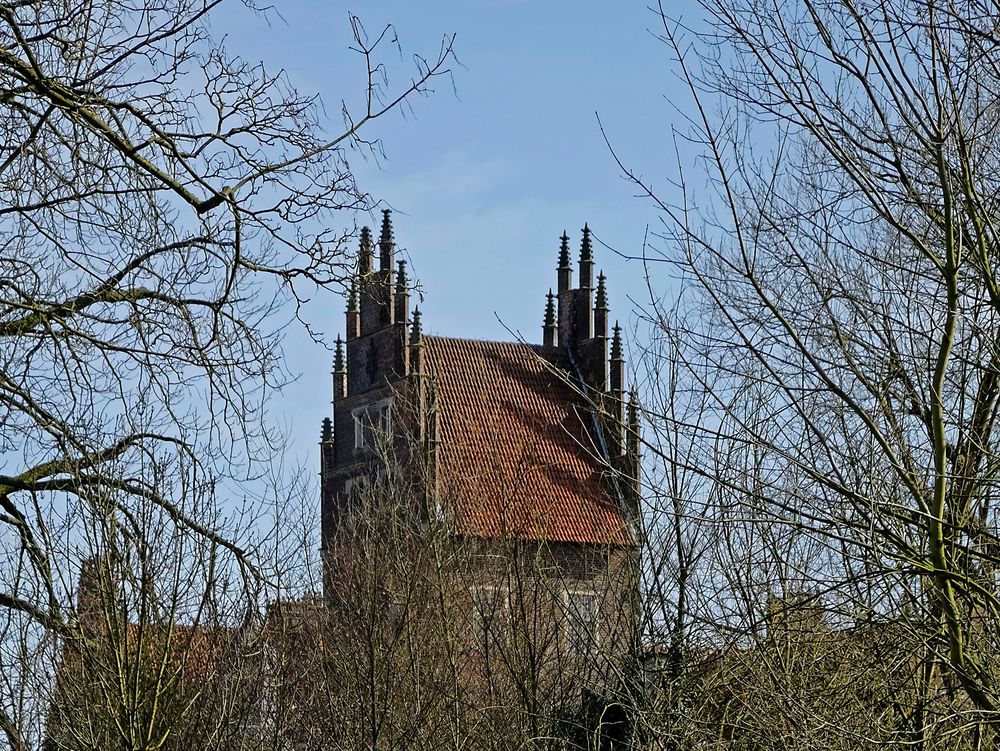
(564, 251)
(633, 408)
(616, 342)
(550, 330)
(352, 297)
(365, 251)
(338, 356)
(586, 265)
(386, 236)
(326, 435)
(564, 271)
(401, 280)
(602, 292)
(415, 333)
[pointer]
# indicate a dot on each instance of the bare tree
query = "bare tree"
(433, 637)
(835, 248)
(164, 207)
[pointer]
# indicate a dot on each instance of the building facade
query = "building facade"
(479, 506)
(521, 452)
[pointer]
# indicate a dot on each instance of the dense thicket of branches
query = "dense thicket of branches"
(164, 207)
(821, 531)
(824, 394)
(430, 639)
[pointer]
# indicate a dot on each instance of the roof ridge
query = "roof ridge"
(439, 337)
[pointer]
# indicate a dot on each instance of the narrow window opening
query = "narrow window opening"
(581, 621)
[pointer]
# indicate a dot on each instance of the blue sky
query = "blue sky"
(483, 178)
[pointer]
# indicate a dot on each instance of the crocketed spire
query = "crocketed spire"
(415, 332)
(601, 310)
(386, 244)
(586, 250)
(365, 256)
(402, 296)
(401, 280)
(564, 251)
(586, 261)
(564, 275)
(339, 371)
(352, 297)
(353, 317)
(602, 293)
(386, 234)
(338, 356)
(549, 327)
(616, 342)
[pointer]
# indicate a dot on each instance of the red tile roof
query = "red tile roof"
(513, 455)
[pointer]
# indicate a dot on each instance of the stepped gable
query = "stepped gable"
(513, 455)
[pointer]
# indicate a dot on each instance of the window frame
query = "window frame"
(583, 637)
(364, 425)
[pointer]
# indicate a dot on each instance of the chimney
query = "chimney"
(339, 372)
(550, 331)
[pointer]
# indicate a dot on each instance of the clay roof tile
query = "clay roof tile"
(514, 457)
